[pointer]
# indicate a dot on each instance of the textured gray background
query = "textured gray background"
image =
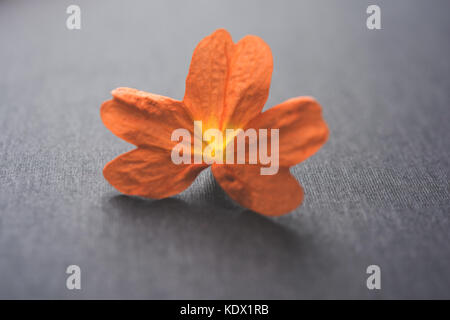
(376, 193)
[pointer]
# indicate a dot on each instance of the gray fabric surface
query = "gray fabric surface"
(376, 193)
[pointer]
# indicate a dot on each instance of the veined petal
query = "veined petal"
(271, 195)
(144, 119)
(302, 130)
(228, 84)
(250, 73)
(207, 79)
(150, 173)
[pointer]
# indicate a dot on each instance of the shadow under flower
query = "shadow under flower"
(214, 241)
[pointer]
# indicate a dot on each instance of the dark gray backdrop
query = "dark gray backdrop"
(376, 193)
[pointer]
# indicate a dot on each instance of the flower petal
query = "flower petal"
(228, 84)
(302, 130)
(144, 119)
(149, 173)
(271, 195)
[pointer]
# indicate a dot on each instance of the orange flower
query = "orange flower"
(226, 88)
